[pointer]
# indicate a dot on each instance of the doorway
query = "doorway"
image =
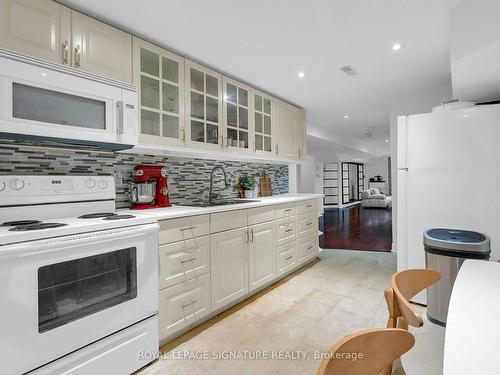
(353, 181)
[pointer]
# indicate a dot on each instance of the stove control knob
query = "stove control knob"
(2, 186)
(16, 184)
(103, 184)
(90, 183)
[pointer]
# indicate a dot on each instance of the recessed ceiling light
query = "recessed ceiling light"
(346, 116)
(396, 46)
(387, 140)
(43, 74)
(301, 74)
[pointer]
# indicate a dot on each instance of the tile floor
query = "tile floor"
(341, 294)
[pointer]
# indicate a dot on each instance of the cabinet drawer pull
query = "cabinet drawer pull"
(189, 303)
(309, 205)
(310, 247)
(288, 209)
(188, 228)
(188, 260)
(77, 56)
(288, 230)
(65, 52)
(309, 223)
(289, 257)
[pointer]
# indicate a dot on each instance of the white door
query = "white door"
(159, 77)
(264, 130)
(261, 255)
(229, 266)
(203, 107)
(286, 122)
(39, 28)
(238, 120)
(100, 48)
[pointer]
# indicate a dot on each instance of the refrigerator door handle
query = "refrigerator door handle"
(402, 169)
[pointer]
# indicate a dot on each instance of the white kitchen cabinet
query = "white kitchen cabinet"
(237, 116)
(287, 124)
(301, 134)
(183, 260)
(264, 131)
(286, 258)
(159, 77)
(285, 230)
(261, 255)
(100, 48)
(183, 304)
(306, 224)
(229, 266)
(307, 248)
(203, 107)
(39, 28)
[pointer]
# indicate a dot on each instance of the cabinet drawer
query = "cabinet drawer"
(285, 210)
(286, 258)
(184, 304)
(307, 248)
(183, 260)
(307, 206)
(222, 221)
(306, 224)
(183, 229)
(285, 231)
(260, 215)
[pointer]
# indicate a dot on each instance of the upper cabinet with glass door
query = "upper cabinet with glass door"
(263, 124)
(159, 76)
(238, 122)
(203, 107)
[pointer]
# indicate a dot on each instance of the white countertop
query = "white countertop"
(183, 211)
(473, 325)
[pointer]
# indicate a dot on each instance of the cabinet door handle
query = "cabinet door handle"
(183, 137)
(247, 237)
(276, 149)
(65, 52)
(251, 233)
(188, 260)
(77, 56)
(188, 228)
(189, 303)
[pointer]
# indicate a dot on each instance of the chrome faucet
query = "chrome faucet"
(210, 194)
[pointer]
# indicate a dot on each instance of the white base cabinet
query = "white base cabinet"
(229, 261)
(184, 304)
(261, 255)
(210, 262)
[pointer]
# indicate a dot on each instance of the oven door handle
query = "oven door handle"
(31, 248)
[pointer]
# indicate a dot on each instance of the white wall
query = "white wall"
(475, 50)
(377, 166)
(310, 177)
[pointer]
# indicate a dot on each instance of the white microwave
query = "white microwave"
(42, 102)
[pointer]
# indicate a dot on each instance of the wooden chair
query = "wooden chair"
(378, 347)
(405, 285)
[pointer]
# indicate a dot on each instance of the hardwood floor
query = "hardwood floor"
(357, 228)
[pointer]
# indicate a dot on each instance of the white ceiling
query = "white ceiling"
(266, 42)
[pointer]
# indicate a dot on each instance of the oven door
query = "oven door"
(62, 294)
(40, 102)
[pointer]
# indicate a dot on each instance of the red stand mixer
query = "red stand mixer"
(149, 187)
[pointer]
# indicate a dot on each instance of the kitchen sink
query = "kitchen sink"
(219, 203)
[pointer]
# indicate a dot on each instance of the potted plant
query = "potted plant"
(248, 184)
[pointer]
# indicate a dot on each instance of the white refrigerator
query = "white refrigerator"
(448, 175)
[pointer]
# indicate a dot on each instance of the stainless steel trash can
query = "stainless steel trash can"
(445, 252)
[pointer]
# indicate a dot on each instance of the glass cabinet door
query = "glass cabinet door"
(203, 106)
(236, 119)
(159, 76)
(263, 123)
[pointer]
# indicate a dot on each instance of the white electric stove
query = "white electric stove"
(78, 282)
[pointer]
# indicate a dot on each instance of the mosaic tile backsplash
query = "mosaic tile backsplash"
(188, 178)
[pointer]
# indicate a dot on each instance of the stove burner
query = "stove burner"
(20, 222)
(119, 217)
(36, 226)
(96, 215)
